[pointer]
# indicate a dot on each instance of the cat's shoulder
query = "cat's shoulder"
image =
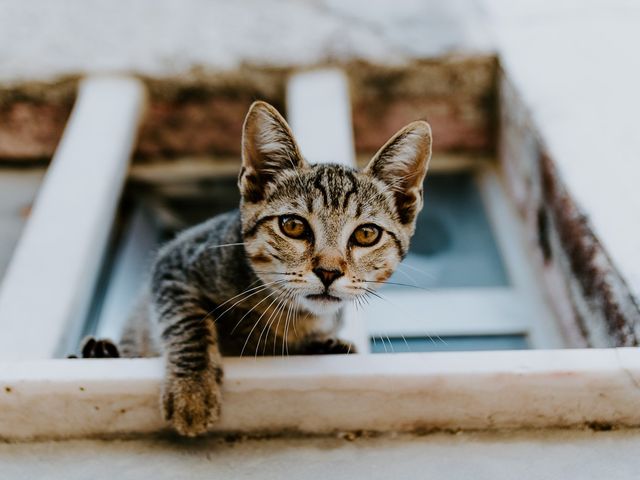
(223, 228)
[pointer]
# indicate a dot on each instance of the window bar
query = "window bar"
(48, 285)
(319, 112)
(542, 330)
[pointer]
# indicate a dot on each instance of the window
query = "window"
(18, 188)
(481, 295)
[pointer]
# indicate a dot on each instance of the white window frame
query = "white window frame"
(47, 287)
(519, 308)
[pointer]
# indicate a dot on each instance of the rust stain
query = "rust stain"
(583, 251)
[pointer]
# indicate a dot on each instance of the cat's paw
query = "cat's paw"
(329, 346)
(191, 404)
(101, 348)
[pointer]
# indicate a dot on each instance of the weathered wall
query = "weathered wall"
(592, 301)
(201, 115)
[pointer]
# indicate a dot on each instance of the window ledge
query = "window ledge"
(316, 395)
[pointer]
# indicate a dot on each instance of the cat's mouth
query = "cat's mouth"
(323, 297)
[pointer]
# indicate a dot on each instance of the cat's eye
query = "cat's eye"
(294, 227)
(366, 235)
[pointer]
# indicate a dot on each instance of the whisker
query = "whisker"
(246, 291)
(264, 287)
(256, 323)
(373, 336)
(275, 336)
(355, 303)
(225, 245)
(267, 324)
(405, 342)
(270, 324)
(373, 292)
(429, 275)
(370, 292)
(252, 309)
(411, 279)
(285, 344)
(365, 299)
(295, 303)
(265, 272)
(384, 345)
(404, 264)
(211, 312)
(393, 350)
(287, 319)
(397, 283)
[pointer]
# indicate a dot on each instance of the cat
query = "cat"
(271, 277)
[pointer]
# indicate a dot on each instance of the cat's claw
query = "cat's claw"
(98, 348)
(191, 405)
(330, 346)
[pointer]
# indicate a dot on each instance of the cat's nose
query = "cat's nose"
(327, 276)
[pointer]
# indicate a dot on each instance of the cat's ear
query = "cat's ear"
(401, 164)
(268, 148)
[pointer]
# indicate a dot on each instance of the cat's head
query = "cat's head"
(325, 234)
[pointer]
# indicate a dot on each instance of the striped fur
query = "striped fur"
(238, 285)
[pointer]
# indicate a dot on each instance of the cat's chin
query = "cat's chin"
(321, 304)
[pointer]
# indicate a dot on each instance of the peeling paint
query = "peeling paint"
(592, 300)
(201, 114)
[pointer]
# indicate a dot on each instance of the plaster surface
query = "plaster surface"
(43, 39)
(480, 456)
(573, 65)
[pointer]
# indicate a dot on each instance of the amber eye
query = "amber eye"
(366, 235)
(294, 227)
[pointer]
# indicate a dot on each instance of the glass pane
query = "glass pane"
(198, 203)
(453, 245)
(146, 220)
(18, 189)
(448, 344)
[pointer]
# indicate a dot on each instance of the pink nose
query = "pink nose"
(327, 276)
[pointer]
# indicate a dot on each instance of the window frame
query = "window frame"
(383, 392)
(412, 392)
(519, 308)
(62, 246)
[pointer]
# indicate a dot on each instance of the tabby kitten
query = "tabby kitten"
(270, 278)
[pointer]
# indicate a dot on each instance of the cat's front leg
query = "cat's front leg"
(191, 403)
(191, 392)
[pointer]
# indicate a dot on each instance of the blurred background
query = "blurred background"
(516, 93)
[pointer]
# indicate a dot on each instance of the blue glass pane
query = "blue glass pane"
(448, 343)
(453, 245)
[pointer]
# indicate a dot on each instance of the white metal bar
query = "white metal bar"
(18, 188)
(513, 245)
(463, 311)
(319, 112)
(49, 282)
(324, 394)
